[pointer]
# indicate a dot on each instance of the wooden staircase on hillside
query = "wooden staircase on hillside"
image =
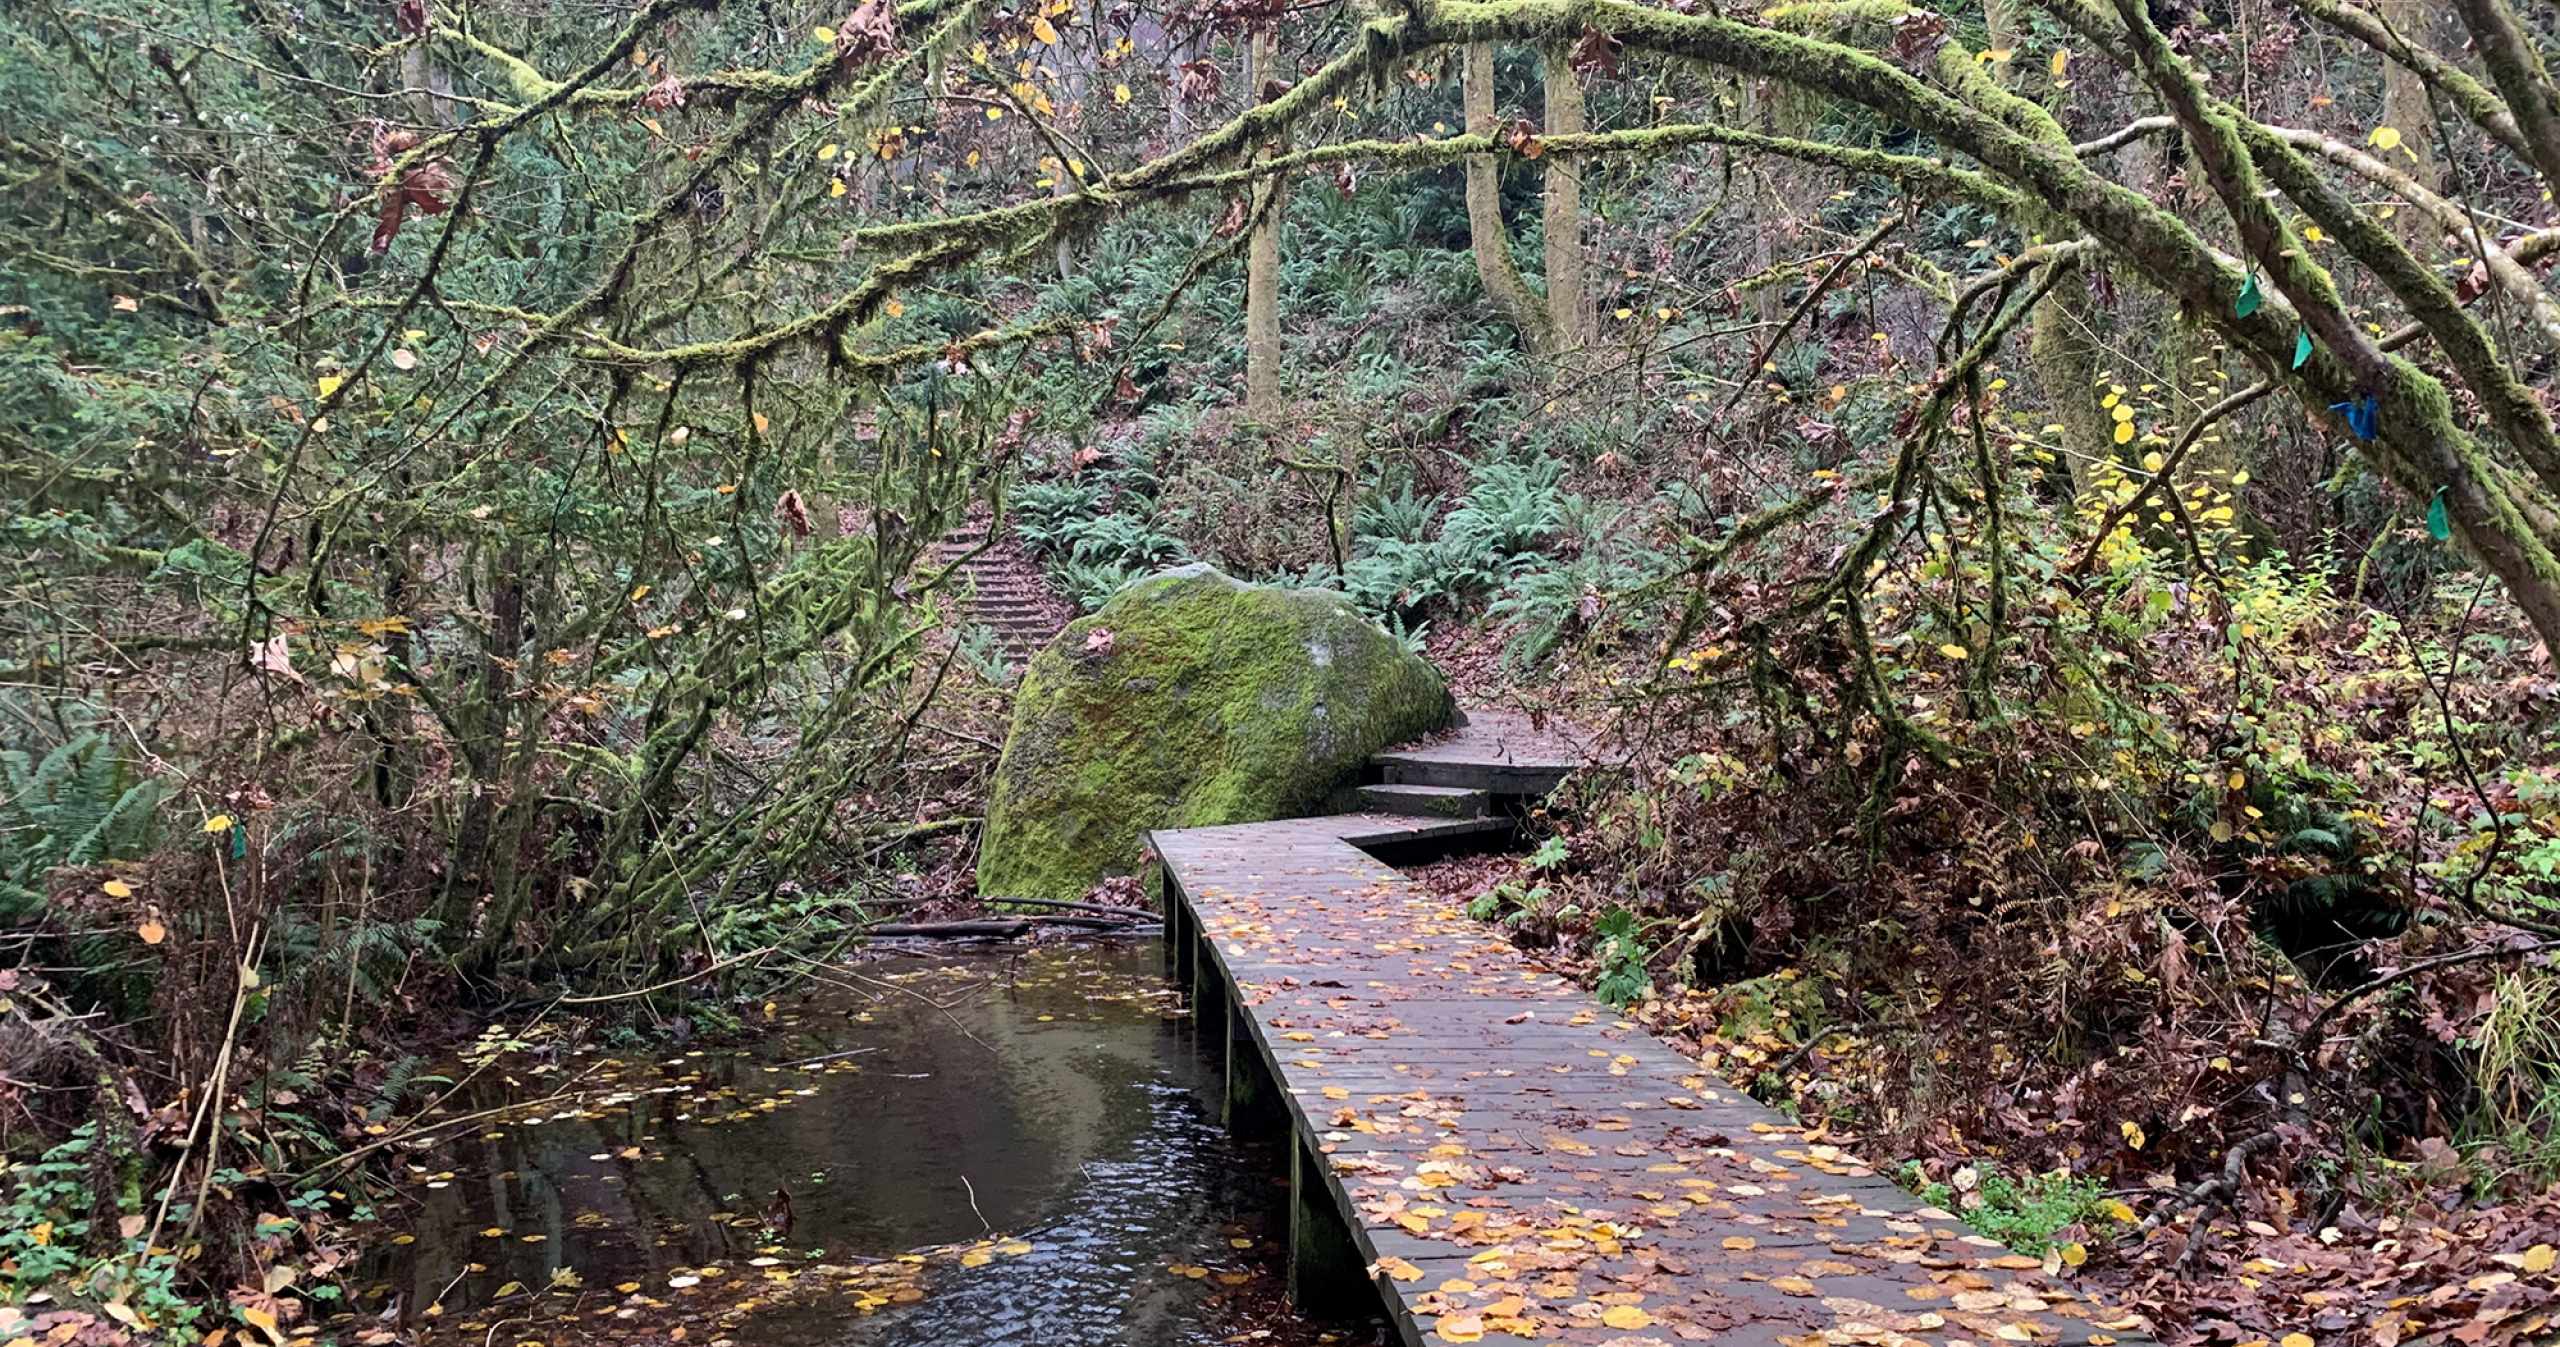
(1000, 589)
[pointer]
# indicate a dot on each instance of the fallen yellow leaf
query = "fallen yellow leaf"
(1397, 1268)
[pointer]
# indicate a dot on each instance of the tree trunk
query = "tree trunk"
(1491, 240)
(2406, 110)
(1262, 261)
(2000, 25)
(1763, 110)
(1066, 248)
(2064, 350)
(1568, 293)
(489, 722)
(429, 85)
(1347, 499)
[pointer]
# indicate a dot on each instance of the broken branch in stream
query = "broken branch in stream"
(993, 928)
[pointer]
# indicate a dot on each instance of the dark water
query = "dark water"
(1017, 1147)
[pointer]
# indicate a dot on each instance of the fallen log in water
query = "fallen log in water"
(1004, 928)
(954, 930)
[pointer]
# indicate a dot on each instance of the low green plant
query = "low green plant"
(1044, 513)
(1091, 584)
(2024, 1212)
(1618, 948)
(1511, 508)
(1397, 576)
(1509, 902)
(1545, 603)
(1402, 516)
(1124, 539)
(79, 804)
(1515, 901)
(983, 654)
(48, 1243)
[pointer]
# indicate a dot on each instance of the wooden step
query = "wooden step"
(1505, 752)
(1426, 801)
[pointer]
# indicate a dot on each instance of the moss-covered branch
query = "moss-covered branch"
(2419, 445)
(2512, 278)
(2476, 101)
(2516, 64)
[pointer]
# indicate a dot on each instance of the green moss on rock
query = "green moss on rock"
(1212, 701)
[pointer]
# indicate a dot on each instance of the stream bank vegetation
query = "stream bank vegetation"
(2060, 499)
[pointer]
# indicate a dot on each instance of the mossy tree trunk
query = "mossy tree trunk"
(1262, 257)
(2002, 29)
(2064, 348)
(1759, 111)
(1569, 310)
(2405, 109)
(1490, 237)
(2462, 428)
(1063, 185)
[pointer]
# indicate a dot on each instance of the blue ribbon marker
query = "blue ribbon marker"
(2247, 303)
(2301, 346)
(2363, 413)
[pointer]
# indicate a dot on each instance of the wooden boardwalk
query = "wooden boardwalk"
(1508, 1162)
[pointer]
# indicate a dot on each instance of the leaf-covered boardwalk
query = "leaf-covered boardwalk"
(1518, 1165)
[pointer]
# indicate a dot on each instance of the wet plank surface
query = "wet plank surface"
(1520, 1166)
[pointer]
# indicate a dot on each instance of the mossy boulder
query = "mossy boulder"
(1191, 699)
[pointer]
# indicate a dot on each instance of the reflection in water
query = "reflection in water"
(1016, 1147)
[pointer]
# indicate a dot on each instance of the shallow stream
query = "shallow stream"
(1009, 1147)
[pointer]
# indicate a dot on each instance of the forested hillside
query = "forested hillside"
(525, 521)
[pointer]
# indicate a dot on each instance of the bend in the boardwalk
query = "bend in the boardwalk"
(1510, 1162)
